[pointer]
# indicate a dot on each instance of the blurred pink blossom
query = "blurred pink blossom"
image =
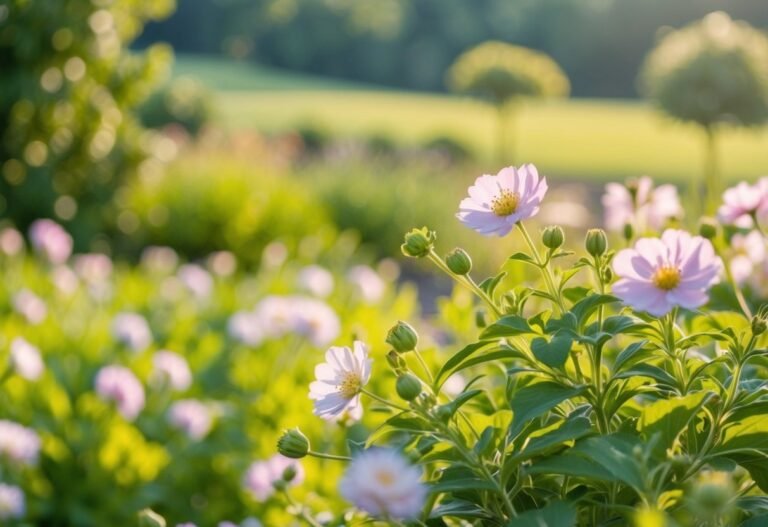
(367, 282)
(644, 207)
(743, 201)
(749, 251)
(197, 280)
(94, 268)
(50, 240)
(12, 504)
(261, 475)
(316, 280)
(26, 359)
(171, 369)
(18, 443)
(159, 259)
(132, 330)
(11, 241)
(30, 306)
(119, 385)
(192, 417)
(246, 327)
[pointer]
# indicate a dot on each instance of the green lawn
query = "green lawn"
(590, 139)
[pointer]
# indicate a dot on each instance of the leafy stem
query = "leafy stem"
(546, 270)
(466, 281)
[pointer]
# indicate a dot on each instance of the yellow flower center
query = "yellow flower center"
(667, 277)
(350, 385)
(505, 203)
(385, 478)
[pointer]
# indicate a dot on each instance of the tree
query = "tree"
(503, 74)
(70, 87)
(713, 73)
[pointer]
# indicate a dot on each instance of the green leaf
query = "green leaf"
(522, 257)
(553, 353)
(456, 359)
(486, 441)
(534, 400)
(569, 430)
(503, 353)
(507, 326)
(746, 428)
(556, 514)
(489, 285)
(667, 418)
(586, 306)
(460, 401)
(648, 370)
(459, 509)
(633, 350)
(460, 478)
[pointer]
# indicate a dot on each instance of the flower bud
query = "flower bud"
(707, 228)
(458, 261)
(758, 325)
(402, 337)
(289, 474)
(480, 321)
(395, 361)
(418, 242)
(149, 518)
(408, 386)
(293, 444)
(443, 413)
(712, 493)
(629, 231)
(553, 237)
(596, 242)
(607, 275)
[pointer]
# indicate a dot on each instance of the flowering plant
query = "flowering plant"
(620, 388)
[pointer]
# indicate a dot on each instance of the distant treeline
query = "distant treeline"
(410, 43)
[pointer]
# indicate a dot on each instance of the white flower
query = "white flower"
(132, 330)
(19, 443)
(171, 368)
(368, 283)
(26, 360)
(192, 417)
(12, 504)
(245, 327)
(340, 380)
(262, 475)
(316, 280)
(382, 483)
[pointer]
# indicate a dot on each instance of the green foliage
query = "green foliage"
(500, 72)
(66, 105)
(710, 72)
(183, 101)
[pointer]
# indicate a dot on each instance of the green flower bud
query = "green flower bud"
(293, 444)
(629, 231)
(395, 361)
(480, 318)
(418, 242)
(708, 228)
(408, 386)
(149, 518)
(596, 242)
(712, 492)
(758, 325)
(289, 474)
(458, 261)
(443, 412)
(607, 275)
(402, 337)
(553, 237)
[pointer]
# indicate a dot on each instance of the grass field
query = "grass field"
(587, 139)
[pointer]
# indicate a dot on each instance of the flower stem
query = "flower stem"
(546, 271)
(424, 366)
(466, 281)
(323, 455)
(384, 401)
(301, 511)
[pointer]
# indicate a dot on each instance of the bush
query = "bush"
(183, 101)
(66, 106)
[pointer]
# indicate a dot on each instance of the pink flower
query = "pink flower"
(18, 443)
(120, 386)
(94, 268)
(172, 369)
(50, 240)
(192, 417)
(12, 505)
(197, 280)
(30, 306)
(159, 259)
(644, 207)
(245, 327)
(132, 330)
(368, 283)
(316, 280)
(496, 203)
(222, 263)
(11, 242)
(262, 475)
(660, 273)
(742, 201)
(749, 250)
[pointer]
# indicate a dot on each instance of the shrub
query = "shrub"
(183, 101)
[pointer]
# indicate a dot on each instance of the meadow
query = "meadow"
(591, 140)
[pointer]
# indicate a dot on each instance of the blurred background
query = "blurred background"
(211, 155)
